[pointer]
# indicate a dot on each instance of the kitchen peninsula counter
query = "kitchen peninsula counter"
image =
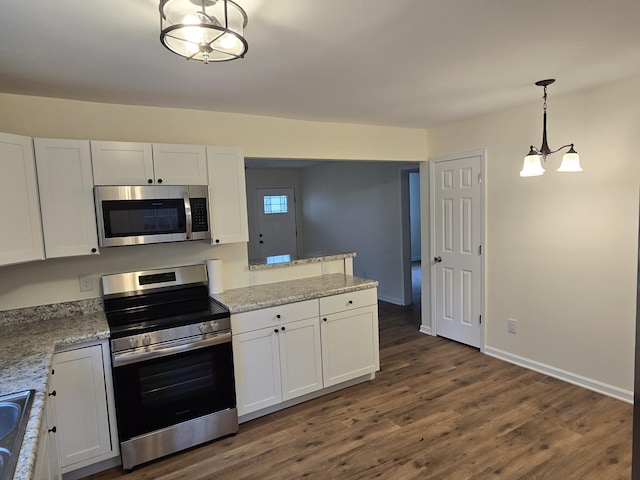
(279, 293)
(28, 338)
(278, 261)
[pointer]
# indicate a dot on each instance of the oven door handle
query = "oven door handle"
(149, 353)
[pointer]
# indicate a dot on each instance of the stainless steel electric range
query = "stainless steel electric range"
(172, 362)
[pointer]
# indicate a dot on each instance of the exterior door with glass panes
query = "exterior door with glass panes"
(276, 221)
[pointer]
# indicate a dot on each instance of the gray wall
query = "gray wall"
(414, 213)
(356, 206)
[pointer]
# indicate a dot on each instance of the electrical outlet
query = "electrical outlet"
(511, 325)
(86, 283)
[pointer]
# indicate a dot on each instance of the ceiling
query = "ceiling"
(408, 63)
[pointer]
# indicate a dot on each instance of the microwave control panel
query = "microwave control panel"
(199, 214)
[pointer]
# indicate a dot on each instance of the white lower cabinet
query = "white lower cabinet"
(86, 431)
(350, 340)
(47, 463)
(276, 355)
(256, 359)
(349, 345)
(279, 358)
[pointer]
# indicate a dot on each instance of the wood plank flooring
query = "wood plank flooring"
(436, 410)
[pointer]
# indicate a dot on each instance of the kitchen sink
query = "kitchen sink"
(14, 415)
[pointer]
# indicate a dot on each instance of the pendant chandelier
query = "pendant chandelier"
(204, 30)
(533, 161)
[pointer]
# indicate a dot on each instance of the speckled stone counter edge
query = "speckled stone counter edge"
(245, 299)
(261, 264)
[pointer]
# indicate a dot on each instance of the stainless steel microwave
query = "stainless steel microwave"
(137, 215)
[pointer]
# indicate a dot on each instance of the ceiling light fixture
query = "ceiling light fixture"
(533, 161)
(204, 30)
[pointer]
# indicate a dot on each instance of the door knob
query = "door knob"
(437, 259)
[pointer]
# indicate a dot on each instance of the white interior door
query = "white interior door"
(457, 226)
(276, 217)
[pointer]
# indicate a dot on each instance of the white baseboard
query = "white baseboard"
(425, 329)
(394, 300)
(579, 380)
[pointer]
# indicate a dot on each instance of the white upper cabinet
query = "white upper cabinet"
(227, 196)
(20, 227)
(65, 183)
(125, 163)
(180, 164)
(122, 163)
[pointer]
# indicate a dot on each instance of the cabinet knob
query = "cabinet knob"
(150, 180)
(324, 319)
(53, 394)
(53, 429)
(278, 316)
(261, 241)
(275, 330)
(282, 329)
(217, 240)
(159, 180)
(350, 302)
(94, 250)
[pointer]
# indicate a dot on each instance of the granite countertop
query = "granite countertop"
(271, 294)
(28, 338)
(287, 260)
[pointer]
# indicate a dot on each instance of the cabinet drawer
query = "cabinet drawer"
(348, 301)
(267, 317)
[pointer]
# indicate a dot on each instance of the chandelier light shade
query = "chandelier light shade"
(204, 30)
(532, 166)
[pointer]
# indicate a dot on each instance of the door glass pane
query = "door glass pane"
(275, 204)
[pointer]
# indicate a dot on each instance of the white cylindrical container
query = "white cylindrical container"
(214, 272)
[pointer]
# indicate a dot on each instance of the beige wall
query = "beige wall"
(258, 136)
(561, 249)
(52, 281)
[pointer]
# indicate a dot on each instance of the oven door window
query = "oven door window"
(125, 218)
(165, 391)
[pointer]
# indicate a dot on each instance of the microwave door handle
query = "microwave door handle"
(187, 213)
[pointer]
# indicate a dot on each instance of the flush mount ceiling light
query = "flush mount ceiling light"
(533, 161)
(204, 30)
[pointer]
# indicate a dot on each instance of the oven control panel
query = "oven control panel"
(131, 342)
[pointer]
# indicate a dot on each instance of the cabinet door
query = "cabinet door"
(20, 227)
(300, 358)
(81, 405)
(122, 163)
(227, 196)
(47, 465)
(180, 164)
(65, 183)
(256, 358)
(350, 346)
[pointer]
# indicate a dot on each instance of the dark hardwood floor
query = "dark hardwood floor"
(436, 410)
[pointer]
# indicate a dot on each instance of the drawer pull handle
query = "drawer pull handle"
(53, 394)
(53, 429)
